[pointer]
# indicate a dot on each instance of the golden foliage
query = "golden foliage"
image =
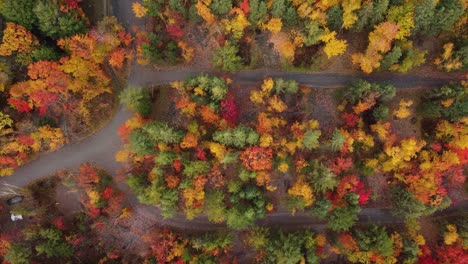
(447, 60)
(139, 10)
(16, 38)
(333, 46)
(349, 16)
(218, 150)
(301, 188)
(381, 129)
(380, 41)
(276, 104)
(451, 236)
(204, 11)
(187, 52)
(236, 25)
(274, 25)
(403, 111)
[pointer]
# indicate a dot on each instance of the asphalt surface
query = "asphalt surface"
(102, 146)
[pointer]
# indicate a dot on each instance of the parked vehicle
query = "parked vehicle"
(15, 200)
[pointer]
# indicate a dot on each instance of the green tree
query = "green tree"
(286, 248)
(215, 208)
(413, 58)
(56, 24)
(310, 140)
(19, 11)
(391, 58)
(161, 132)
(227, 58)
(321, 208)
(432, 107)
(237, 137)
(335, 18)
(380, 112)
(343, 218)
(379, 12)
(423, 15)
(337, 140)
(432, 17)
(18, 254)
(258, 11)
(221, 7)
(45, 52)
(278, 8)
(321, 177)
(405, 205)
(364, 15)
(137, 99)
(446, 13)
(52, 244)
(374, 238)
(141, 143)
(312, 33)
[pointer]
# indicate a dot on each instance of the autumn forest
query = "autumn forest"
(233, 131)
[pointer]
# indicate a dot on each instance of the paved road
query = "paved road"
(101, 147)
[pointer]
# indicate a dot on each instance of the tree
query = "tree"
(333, 46)
(423, 15)
(413, 58)
(321, 178)
(205, 13)
(380, 41)
(274, 25)
(405, 205)
(286, 248)
(380, 112)
(258, 11)
(17, 39)
(446, 14)
(391, 58)
(365, 13)
(402, 15)
(337, 140)
(335, 18)
(55, 23)
(342, 219)
(227, 58)
(53, 244)
(379, 12)
(139, 10)
(374, 238)
(349, 16)
(236, 25)
(257, 158)
(214, 206)
(137, 99)
(221, 7)
(312, 33)
(18, 254)
(19, 11)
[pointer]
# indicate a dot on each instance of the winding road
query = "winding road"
(102, 146)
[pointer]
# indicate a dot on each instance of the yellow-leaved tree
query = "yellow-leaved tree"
(333, 46)
(139, 10)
